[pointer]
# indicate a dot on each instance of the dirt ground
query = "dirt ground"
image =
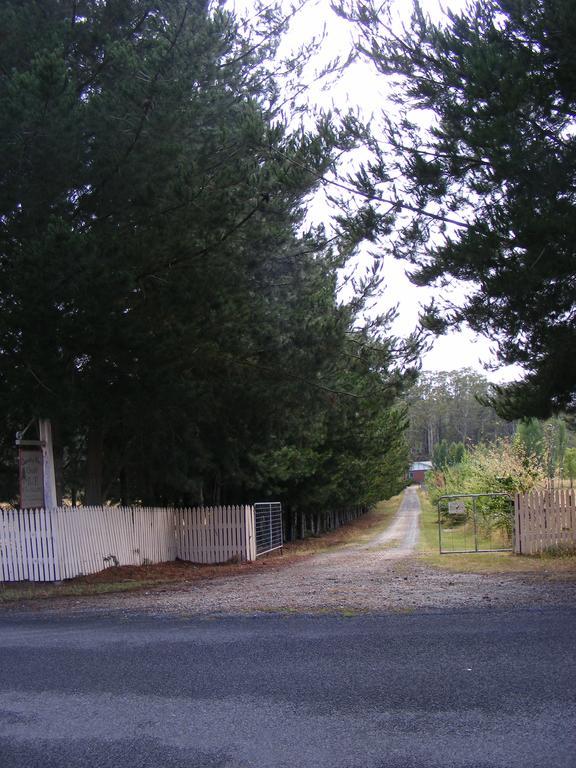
(386, 573)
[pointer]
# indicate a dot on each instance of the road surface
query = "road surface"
(420, 669)
(438, 690)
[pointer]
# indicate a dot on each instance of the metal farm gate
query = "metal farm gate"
(475, 522)
(268, 525)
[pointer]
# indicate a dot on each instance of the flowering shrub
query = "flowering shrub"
(500, 467)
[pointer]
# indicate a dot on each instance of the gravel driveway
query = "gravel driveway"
(386, 574)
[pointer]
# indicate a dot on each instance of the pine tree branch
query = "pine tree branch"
(274, 31)
(203, 251)
(397, 205)
(101, 67)
(283, 374)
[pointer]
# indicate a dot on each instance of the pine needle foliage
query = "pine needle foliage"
(476, 163)
(161, 298)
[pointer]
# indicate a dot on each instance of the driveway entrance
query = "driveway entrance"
(383, 573)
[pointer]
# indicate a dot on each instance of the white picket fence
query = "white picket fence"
(544, 520)
(56, 544)
(215, 534)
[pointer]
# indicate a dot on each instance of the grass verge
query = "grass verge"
(174, 575)
(484, 562)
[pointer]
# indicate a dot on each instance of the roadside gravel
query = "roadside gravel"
(386, 574)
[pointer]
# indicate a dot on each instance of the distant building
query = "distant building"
(418, 470)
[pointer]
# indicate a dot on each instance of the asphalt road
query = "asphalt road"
(475, 689)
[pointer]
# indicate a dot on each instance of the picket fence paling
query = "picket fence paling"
(54, 544)
(545, 519)
(212, 534)
(27, 548)
(93, 538)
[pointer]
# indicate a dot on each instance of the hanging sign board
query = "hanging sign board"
(31, 477)
(456, 508)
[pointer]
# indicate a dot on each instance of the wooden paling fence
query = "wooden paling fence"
(28, 546)
(215, 534)
(55, 544)
(545, 519)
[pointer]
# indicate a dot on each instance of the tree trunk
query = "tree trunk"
(58, 450)
(430, 437)
(124, 500)
(94, 465)
(293, 523)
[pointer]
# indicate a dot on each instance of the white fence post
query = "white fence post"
(250, 533)
(518, 524)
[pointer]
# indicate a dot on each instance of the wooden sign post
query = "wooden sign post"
(37, 477)
(31, 476)
(45, 430)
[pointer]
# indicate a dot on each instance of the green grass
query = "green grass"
(26, 591)
(428, 541)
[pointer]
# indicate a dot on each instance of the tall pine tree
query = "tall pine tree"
(159, 299)
(479, 174)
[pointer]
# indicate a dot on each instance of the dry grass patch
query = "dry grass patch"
(359, 531)
(504, 562)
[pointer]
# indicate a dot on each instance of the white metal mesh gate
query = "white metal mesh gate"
(475, 522)
(268, 524)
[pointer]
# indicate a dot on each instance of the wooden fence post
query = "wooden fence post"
(250, 533)
(517, 526)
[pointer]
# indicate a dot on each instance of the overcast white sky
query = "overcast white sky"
(359, 86)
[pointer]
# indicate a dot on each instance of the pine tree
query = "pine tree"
(147, 179)
(160, 300)
(482, 187)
